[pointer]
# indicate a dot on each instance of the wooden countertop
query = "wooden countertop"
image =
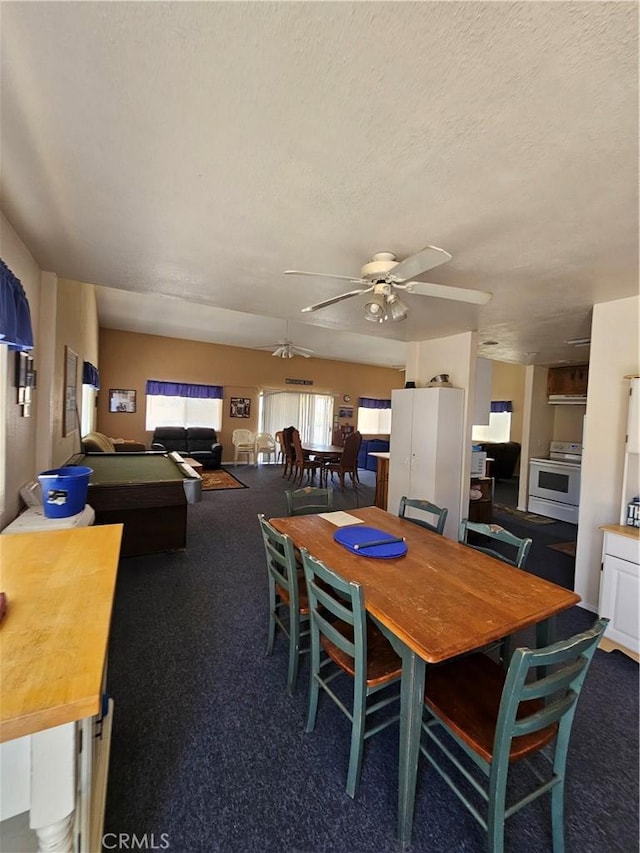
(622, 530)
(380, 454)
(53, 638)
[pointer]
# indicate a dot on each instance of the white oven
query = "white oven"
(554, 485)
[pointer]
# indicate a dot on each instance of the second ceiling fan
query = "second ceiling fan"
(384, 277)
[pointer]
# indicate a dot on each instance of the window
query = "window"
(311, 414)
(88, 414)
(374, 416)
(499, 428)
(182, 404)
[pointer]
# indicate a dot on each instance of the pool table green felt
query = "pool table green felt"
(146, 493)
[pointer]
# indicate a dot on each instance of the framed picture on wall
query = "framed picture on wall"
(240, 407)
(121, 400)
(70, 415)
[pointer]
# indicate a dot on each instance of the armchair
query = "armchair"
(97, 442)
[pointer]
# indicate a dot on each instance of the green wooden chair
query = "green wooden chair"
(288, 602)
(498, 534)
(438, 514)
(499, 719)
(343, 640)
(308, 500)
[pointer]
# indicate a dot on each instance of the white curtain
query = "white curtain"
(311, 414)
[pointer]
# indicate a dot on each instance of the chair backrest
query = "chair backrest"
(349, 458)
(439, 514)
(242, 437)
(281, 561)
(297, 447)
(308, 500)
(332, 598)
(497, 534)
(96, 442)
(287, 437)
(264, 441)
(556, 690)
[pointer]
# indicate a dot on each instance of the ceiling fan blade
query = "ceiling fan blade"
(353, 279)
(303, 353)
(300, 349)
(425, 259)
(337, 299)
(443, 291)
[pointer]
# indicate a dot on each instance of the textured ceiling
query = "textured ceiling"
(197, 150)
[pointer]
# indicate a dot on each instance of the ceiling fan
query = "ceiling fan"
(384, 276)
(286, 348)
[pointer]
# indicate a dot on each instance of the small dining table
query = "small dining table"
(326, 452)
(440, 600)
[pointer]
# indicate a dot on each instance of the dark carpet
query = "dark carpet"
(209, 748)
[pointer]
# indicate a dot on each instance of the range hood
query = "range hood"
(567, 400)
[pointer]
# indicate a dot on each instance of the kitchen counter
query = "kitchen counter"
(53, 645)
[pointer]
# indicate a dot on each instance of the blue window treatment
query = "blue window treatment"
(15, 316)
(90, 375)
(373, 403)
(501, 406)
(184, 389)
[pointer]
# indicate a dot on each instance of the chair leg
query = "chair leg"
(557, 817)
(314, 687)
(294, 650)
(272, 620)
(495, 812)
(357, 740)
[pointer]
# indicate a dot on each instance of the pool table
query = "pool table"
(147, 492)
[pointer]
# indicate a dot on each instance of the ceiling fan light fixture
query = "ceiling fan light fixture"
(397, 309)
(375, 309)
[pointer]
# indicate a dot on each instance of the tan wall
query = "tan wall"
(128, 359)
(77, 328)
(508, 384)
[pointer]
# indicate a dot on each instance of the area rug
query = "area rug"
(531, 517)
(220, 479)
(568, 548)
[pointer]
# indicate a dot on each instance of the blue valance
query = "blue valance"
(90, 375)
(15, 316)
(184, 389)
(501, 406)
(372, 403)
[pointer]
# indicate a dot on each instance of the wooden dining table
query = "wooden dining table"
(326, 453)
(440, 600)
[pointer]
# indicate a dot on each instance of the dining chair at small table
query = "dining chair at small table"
(308, 499)
(345, 642)
(304, 465)
(501, 719)
(348, 462)
(437, 516)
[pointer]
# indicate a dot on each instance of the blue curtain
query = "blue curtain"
(184, 389)
(372, 403)
(501, 406)
(90, 375)
(15, 316)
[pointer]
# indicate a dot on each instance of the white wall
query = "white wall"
(615, 351)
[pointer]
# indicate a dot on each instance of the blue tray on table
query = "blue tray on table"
(356, 537)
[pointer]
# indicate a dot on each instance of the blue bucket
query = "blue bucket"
(64, 490)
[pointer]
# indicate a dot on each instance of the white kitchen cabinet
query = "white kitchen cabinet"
(620, 589)
(620, 577)
(426, 447)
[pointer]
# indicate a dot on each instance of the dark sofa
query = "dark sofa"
(505, 455)
(199, 443)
